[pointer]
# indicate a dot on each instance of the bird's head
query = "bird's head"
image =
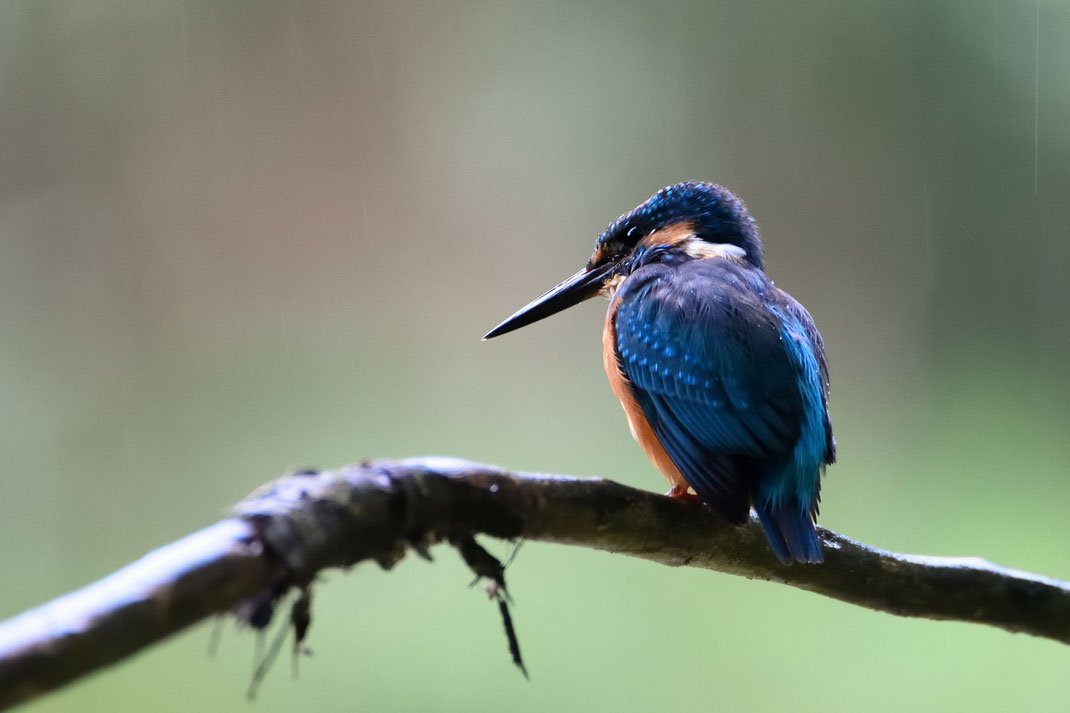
(688, 221)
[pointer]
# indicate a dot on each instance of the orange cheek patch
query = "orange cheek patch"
(670, 235)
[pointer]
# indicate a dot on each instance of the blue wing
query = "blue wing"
(707, 364)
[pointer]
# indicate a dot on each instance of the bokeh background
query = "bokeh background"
(238, 238)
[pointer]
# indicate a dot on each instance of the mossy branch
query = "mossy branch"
(281, 536)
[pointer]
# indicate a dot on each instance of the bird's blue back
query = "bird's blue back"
(730, 374)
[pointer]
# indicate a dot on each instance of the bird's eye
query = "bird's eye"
(606, 251)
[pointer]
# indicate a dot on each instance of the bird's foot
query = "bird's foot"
(681, 492)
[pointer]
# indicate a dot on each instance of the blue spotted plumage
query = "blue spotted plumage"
(722, 375)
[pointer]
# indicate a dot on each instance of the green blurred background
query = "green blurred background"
(243, 237)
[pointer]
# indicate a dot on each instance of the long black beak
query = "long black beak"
(581, 286)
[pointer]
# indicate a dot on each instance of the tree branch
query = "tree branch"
(283, 534)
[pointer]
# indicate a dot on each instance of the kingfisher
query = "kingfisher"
(722, 375)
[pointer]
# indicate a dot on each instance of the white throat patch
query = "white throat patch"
(609, 288)
(701, 249)
(682, 236)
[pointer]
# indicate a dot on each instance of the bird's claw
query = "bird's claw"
(682, 492)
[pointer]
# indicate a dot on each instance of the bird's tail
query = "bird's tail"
(790, 531)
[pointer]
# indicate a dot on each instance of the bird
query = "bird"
(722, 376)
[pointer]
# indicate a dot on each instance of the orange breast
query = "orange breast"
(641, 430)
